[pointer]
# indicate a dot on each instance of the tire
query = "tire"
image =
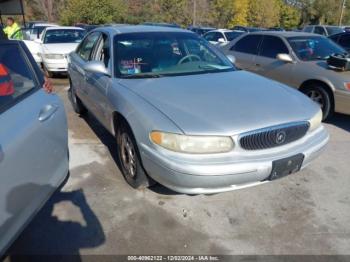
(78, 106)
(130, 161)
(319, 94)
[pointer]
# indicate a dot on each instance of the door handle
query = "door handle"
(46, 112)
(257, 65)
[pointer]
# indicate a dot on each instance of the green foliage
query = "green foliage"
(93, 11)
(264, 13)
(289, 16)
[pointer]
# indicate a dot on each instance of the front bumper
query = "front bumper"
(208, 176)
(53, 65)
(342, 101)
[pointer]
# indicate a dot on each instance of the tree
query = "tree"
(93, 12)
(289, 16)
(228, 13)
(43, 9)
(264, 13)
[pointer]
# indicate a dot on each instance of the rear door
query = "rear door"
(33, 141)
(267, 63)
(245, 51)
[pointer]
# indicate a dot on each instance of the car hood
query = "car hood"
(223, 103)
(59, 48)
(322, 64)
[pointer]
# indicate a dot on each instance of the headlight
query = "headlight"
(54, 56)
(315, 122)
(192, 144)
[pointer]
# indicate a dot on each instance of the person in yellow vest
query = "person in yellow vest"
(12, 30)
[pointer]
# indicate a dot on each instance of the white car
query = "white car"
(30, 35)
(222, 37)
(55, 44)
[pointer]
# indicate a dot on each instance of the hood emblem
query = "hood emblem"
(280, 137)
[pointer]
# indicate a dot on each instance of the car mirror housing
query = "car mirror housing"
(285, 58)
(221, 40)
(231, 58)
(96, 67)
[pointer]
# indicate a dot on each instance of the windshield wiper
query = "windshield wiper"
(142, 76)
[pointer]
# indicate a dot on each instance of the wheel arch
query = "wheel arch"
(327, 86)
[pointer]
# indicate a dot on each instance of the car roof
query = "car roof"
(123, 29)
(64, 27)
(284, 33)
(45, 24)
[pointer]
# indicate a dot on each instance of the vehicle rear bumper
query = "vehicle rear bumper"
(190, 178)
(342, 101)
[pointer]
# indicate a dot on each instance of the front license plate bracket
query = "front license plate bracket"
(286, 166)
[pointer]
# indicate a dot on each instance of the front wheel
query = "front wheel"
(130, 162)
(78, 106)
(321, 96)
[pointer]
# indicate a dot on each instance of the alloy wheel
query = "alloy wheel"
(128, 155)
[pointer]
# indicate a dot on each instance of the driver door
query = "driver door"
(97, 84)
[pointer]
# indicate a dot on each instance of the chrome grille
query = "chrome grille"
(273, 136)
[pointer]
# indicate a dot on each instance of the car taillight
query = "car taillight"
(347, 85)
(6, 84)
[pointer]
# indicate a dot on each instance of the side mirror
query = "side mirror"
(221, 40)
(96, 67)
(231, 58)
(285, 58)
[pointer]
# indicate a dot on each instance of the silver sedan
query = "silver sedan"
(185, 117)
(298, 60)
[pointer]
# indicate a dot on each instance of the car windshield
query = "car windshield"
(309, 48)
(155, 54)
(332, 30)
(232, 35)
(56, 36)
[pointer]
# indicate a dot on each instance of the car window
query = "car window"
(159, 54)
(308, 29)
(86, 47)
(209, 36)
(56, 36)
(232, 35)
(272, 46)
(332, 30)
(248, 44)
(16, 76)
(320, 30)
(311, 48)
(102, 52)
(344, 41)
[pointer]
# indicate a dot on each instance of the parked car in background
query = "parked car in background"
(276, 29)
(185, 117)
(342, 39)
(38, 28)
(87, 27)
(298, 60)
(247, 29)
(162, 24)
(33, 141)
(199, 30)
(31, 24)
(222, 37)
(55, 45)
(325, 30)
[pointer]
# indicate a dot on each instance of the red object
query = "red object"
(6, 84)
